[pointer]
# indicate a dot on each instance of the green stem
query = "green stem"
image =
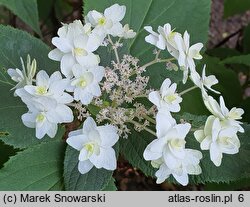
(149, 119)
(145, 128)
(115, 49)
(188, 90)
(156, 60)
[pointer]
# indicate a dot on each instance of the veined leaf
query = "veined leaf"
(241, 59)
(26, 10)
(37, 168)
(232, 7)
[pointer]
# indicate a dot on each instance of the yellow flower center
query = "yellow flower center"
(177, 143)
(41, 90)
(170, 98)
(89, 147)
(79, 51)
(102, 21)
(40, 118)
(82, 83)
(171, 35)
(224, 140)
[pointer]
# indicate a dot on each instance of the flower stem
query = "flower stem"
(149, 119)
(145, 128)
(157, 60)
(188, 90)
(115, 49)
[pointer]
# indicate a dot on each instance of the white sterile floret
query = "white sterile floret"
(228, 117)
(168, 150)
(25, 76)
(188, 165)
(52, 87)
(127, 32)
(167, 98)
(75, 45)
(170, 142)
(218, 138)
(155, 38)
(109, 22)
(207, 81)
(95, 146)
(187, 53)
(86, 83)
(44, 114)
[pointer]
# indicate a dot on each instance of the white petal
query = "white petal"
(81, 41)
(29, 120)
(215, 154)
(154, 150)
(98, 73)
(116, 12)
(164, 123)
(83, 155)
(42, 130)
(77, 141)
(108, 134)
(67, 64)
(52, 130)
(182, 179)
(89, 125)
(162, 174)
(84, 166)
(86, 97)
(116, 29)
(55, 54)
(106, 159)
(89, 60)
(93, 16)
(65, 113)
(155, 98)
(93, 43)
(199, 135)
(182, 130)
(223, 107)
(62, 44)
(94, 89)
(165, 85)
(42, 78)
(205, 144)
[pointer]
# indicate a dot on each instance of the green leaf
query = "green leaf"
(222, 53)
(94, 180)
(6, 152)
(132, 149)
(245, 105)
(26, 10)
(242, 59)
(13, 44)
(37, 168)
(246, 39)
(232, 7)
(157, 13)
(235, 185)
(110, 186)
